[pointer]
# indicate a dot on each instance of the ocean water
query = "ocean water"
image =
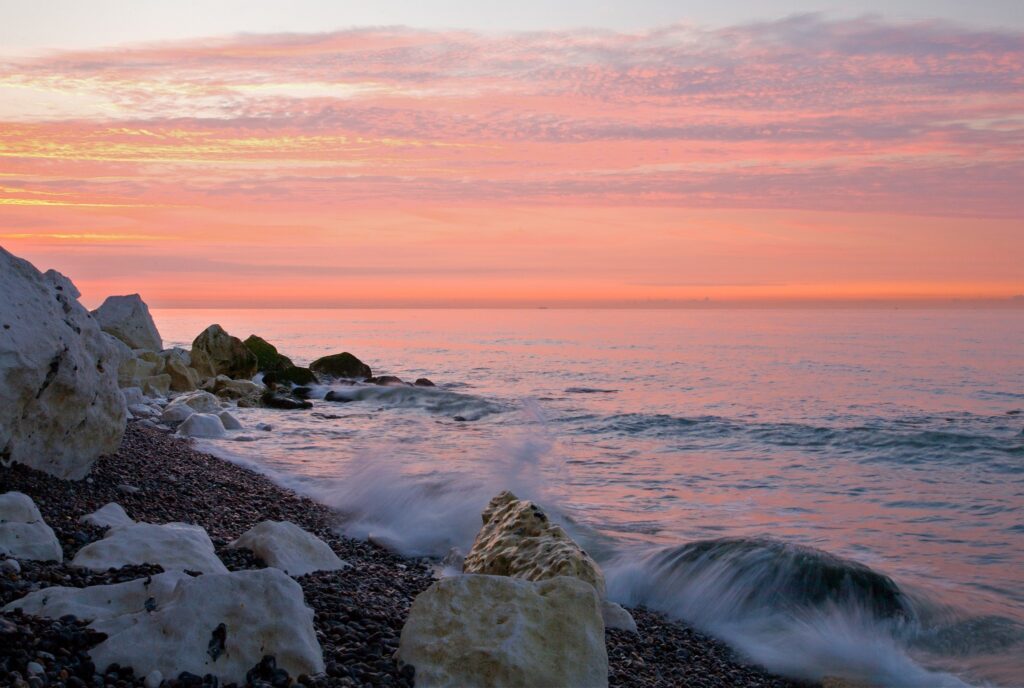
(829, 491)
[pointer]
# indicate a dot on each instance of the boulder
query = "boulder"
(424, 382)
(23, 533)
(288, 547)
(110, 515)
(517, 539)
(227, 388)
(156, 385)
(202, 425)
(295, 375)
(174, 546)
(500, 631)
(341, 365)
(387, 381)
(267, 357)
(60, 406)
(133, 396)
(227, 355)
(128, 319)
(219, 624)
(177, 363)
(228, 421)
(199, 401)
(280, 401)
(176, 413)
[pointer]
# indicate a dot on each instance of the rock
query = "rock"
(111, 515)
(35, 669)
(618, 618)
(60, 405)
(10, 566)
(101, 601)
(217, 624)
(424, 382)
(153, 679)
(128, 319)
(517, 539)
(227, 355)
(128, 489)
(176, 413)
(296, 375)
(265, 427)
(228, 421)
(340, 397)
(177, 364)
(23, 533)
(341, 365)
(279, 401)
(174, 546)
(237, 389)
(202, 425)
(156, 385)
(499, 631)
(202, 402)
(133, 396)
(267, 357)
(387, 380)
(288, 547)
(142, 411)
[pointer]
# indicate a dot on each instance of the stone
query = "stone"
(128, 319)
(177, 364)
(227, 355)
(142, 411)
(23, 533)
(288, 547)
(133, 396)
(227, 388)
(203, 426)
(176, 413)
(388, 381)
(110, 515)
(424, 382)
(217, 624)
(498, 631)
(228, 421)
(296, 375)
(279, 401)
(60, 404)
(100, 601)
(518, 539)
(341, 365)
(156, 385)
(153, 679)
(268, 359)
(10, 566)
(200, 401)
(174, 546)
(615, 616)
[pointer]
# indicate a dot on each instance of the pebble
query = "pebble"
(153, 679)
(34, 668)
(10, 566)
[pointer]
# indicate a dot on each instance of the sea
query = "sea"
(831, 492)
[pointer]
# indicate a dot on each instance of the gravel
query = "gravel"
(359, 612)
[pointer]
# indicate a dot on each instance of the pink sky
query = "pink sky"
(804, 158)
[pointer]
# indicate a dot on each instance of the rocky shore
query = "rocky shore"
(359, 611)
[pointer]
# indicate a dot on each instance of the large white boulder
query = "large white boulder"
(101, 601)
(23, 533)
(60, 407)
(202, 425)
(220, 624)
(176, 413)
(229, 421)
(128, 319)
(110, 515)
(286, 546)
(174, 546)
(478, 630)
(518, 539)
(199, 401)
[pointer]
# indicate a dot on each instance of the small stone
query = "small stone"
(127, 489)
(35, 668)
(10, 566)
(153, 679)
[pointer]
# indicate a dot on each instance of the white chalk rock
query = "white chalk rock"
(617, 617)
(101, 601)
(108, 516)
(217, 624)
(484, 630)
(199, 401)
(174, 546)
(202, 425)
(23, 533)
(142, 411)
(286, 546)
(133, 396)
(128, 319)
(176, 413)
(518, 539)
(229, 421)
(60, 406)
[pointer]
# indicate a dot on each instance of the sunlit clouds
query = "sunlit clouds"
(797, 159)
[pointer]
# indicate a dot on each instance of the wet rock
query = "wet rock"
(202, 425)
(268, 359)
(229, 421)
(343, 365)
(387, 380)
(424, 382)
(279, 401)
(295, 375)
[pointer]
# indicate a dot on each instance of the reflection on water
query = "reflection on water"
(893, 438)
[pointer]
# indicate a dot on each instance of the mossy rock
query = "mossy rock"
(341, 365)
(267, 357)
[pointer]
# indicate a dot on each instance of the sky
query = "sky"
(435, 154)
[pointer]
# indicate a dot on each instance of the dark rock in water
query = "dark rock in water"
(280, 401)
(267, 357)
(460, 419)
(387, 380)
(424, 382)
(224, 354)
(302, 392)
(295, 375)
(338, 397)
(341, 365)
(773, 574)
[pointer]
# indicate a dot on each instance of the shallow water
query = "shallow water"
(894, 438)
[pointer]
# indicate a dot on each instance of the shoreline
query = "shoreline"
(359, 611)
